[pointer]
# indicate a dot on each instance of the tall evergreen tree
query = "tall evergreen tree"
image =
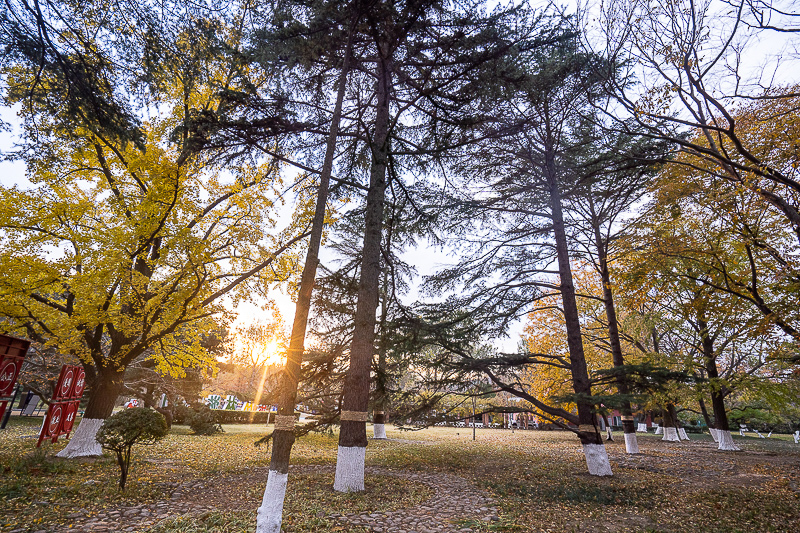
(431, 66)
(516, 198)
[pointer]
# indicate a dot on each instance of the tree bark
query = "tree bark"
(723, 433)
(631, 442)
(593, 447)
(104, 390)
(270, 513)
(379, 412)
(353, 434)
(670, 424)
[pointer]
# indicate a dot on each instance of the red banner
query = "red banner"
(64, 408)
(68, 420)
(51, 428)
(12, 354)
(65, 383)
(9, 370)
(70, 384)
(80, 382)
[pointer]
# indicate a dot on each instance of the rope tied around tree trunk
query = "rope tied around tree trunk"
(353, 416)
(284, 423)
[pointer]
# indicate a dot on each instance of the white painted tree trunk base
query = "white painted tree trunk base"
(83, 442)
(641, 428)
(270, 514)
(349, 469)
(659, 430)
(379, 431)
(714, 434)
(726, 441)
(597, 460)
(671, 435)
(682, 434)
(631, 443)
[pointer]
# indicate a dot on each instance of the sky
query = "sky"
(424, 258)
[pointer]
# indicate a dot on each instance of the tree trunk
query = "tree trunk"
(670, 424)
(103, 392)
(723, 433)
(707, 419)
(474, 424)
(353, 434)
(379, 412)
(631, 442)
(604, 420)
(270, 513)
(593, 447)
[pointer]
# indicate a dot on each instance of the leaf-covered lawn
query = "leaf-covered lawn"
(538, 479)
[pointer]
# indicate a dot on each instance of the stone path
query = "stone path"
(131, 518)
(455, 499)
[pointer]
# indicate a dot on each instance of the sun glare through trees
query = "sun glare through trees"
(394, 266)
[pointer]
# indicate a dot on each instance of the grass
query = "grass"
(537, 478)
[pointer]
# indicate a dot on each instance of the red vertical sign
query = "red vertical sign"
(69, 414)
(64, 406)
(80, 382)
(9, 370)
(65, 384)
(12, 354)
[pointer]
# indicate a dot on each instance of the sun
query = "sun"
(271, 355)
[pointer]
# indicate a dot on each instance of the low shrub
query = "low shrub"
(121, 431)
(203, 421)
(243, 417)
(167, 412)
(181, 413)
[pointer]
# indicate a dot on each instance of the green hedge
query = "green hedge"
(242, 417)
(181, 416)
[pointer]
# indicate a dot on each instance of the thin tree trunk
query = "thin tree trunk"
(707, 419)
(103, 393)
(353, 433)
(609, 436)
(593, 447)
(473, 418)
(270, 513)
(631, 442)
(379, 413)
(670, 424)
(723, 432)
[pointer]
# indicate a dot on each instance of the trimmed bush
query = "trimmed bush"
(121, 431)
(203, 421)
(182, 414)
(243, 417)
(167, 412)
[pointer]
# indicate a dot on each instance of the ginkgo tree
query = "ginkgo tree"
(124, 245)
